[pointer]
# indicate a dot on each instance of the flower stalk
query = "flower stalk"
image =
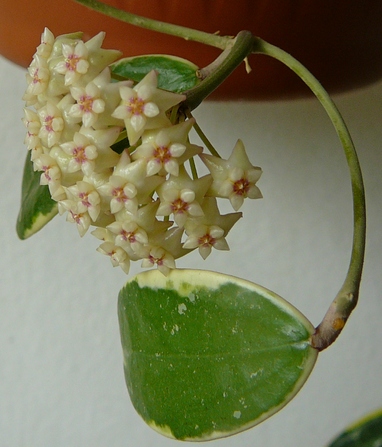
(345, 301)
(203, 136)
(194, 35)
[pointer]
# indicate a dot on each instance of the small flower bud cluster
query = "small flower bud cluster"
(74, 116)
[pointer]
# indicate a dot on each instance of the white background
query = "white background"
(61, 375)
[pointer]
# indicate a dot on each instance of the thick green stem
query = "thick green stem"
(235, 50)
(346, 299)
(217, 72)
(155, 25)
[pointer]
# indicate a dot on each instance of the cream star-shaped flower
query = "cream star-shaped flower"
(81, 219)
(181, 196)
(82, 154)
(128, 186)
(166, 149)
(88, 106)
(162, 250)
(75, 63)
(84, 198)
(52, 124)
(130, 232)
(79, 61)
(117, 255)
(32, 123)
(129, 235)
(103, 139)
(46, 45)
(209, 231)
(145, 218)
(144, 107)
(51, 173)
(37, 77)
(234, 178)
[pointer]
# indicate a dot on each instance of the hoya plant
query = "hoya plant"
(206, 355)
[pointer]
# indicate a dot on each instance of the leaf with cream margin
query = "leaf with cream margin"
(37, 207)
(174, 73)
(208, 355)
(366, 432)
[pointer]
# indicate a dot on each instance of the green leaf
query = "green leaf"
(208, 355)
(174, 73)
(37, 207)
(364, 433)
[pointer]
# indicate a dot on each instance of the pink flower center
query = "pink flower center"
(36, 79)
(71, 62)
(76, 217)
(46, 173)
(119, 194)
(179, 206)
(84, 199)
(136, 106)
(86, 103)
(206, 240)
(48, 122)
(162, 154)
(157, 261)
(241, 187)
(128, 236)
(79, 154)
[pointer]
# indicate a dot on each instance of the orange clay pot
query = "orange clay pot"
(339, 41)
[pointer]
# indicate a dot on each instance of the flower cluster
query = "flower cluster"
(76, 116)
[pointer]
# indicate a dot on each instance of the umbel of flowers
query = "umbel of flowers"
(142, 199)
